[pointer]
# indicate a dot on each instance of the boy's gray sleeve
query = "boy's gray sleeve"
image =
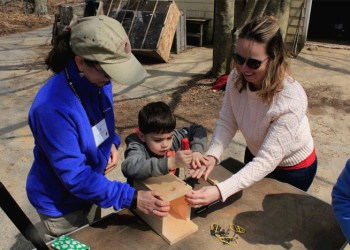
(138, 164)
(197, 136)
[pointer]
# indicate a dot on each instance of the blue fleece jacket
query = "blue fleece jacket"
(67, 173)
(341, 200)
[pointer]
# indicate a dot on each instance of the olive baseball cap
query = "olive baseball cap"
(103, 39)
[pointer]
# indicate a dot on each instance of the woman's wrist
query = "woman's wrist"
(220, 196)
(134, 201)
(216, 160)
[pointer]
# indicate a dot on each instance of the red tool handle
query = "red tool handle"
(185, 144)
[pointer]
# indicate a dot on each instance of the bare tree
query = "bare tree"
(41, 7)
(229, 18)
(223, 27)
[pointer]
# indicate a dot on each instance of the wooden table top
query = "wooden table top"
(274, 214)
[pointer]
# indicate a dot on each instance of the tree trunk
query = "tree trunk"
(247, 13)
(246, 16)
(260, 8)
(41, 7)
(284, 17)
(251, 10)
(223, 26)
(273, 8)
(225, 35)
(280, 9)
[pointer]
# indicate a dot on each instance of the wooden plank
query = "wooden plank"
(168, 32)
(177, 229)
(180, 41)
(171, 229)
(179, 209)
(169, 186)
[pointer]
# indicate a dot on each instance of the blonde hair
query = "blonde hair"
(266, 30)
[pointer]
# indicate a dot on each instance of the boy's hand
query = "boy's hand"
(198, 165)
(182, 159)
(198, 160)
(197, 173)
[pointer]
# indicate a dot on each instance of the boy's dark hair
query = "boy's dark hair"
(156, 117)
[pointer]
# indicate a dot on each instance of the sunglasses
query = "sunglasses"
(101, 71)
(251, 63)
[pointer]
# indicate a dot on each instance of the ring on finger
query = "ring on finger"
(153, 211)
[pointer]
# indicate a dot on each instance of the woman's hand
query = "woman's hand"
(210, 165)
(113, 160)
(203, 196)
(150, 203)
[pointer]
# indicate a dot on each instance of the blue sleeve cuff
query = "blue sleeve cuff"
(130, 203)
(116, 140)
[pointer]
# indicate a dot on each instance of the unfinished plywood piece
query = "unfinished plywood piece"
(228, 167)
(218, 175)
(177, 225)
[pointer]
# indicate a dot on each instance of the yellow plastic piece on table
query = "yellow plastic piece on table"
(213, 181)
(237, 229)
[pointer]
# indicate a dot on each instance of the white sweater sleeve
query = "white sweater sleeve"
(226, 126)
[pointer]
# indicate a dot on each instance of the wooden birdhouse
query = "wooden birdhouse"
(177, 225)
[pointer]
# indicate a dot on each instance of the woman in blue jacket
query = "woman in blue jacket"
(72, 121)
(341, 200)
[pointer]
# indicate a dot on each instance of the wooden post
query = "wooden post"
(66, 13)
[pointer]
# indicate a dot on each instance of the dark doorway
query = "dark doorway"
(330, 21)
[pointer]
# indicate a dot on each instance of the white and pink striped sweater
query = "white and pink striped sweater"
(278, 134)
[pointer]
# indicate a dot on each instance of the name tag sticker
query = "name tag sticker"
(100, 132)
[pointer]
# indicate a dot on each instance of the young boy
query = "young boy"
(150, 151)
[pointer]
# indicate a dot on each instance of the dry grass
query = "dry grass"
(13, 18)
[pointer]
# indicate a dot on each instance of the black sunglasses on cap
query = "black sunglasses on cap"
(251, 63)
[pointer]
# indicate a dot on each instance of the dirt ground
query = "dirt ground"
(13, 18)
